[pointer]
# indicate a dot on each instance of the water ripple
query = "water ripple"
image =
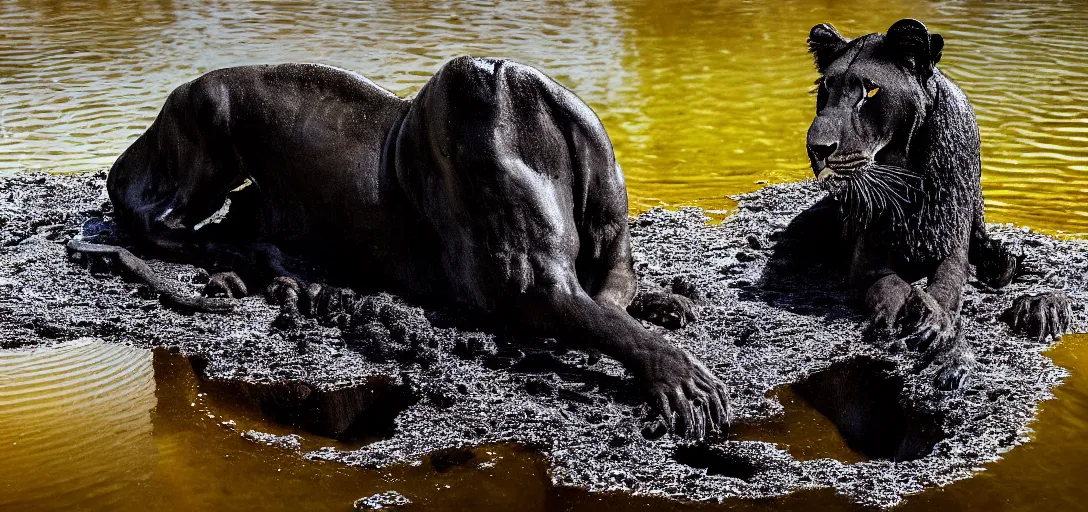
(701, 99)
(78, 397)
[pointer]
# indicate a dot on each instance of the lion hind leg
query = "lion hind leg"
(605, 266)
(299, 299)
(669, 310)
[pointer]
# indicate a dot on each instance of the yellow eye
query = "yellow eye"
(872, 92)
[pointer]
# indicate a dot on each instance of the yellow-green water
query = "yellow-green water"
(701, 99)
(88, 426)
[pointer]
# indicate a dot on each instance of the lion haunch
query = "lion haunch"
(494, 189)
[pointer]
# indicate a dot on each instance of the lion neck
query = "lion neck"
(944, 152)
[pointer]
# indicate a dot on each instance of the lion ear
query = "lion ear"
(936, 44)
(910, 40)
(825, 43)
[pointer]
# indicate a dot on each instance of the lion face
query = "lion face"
(871, 99)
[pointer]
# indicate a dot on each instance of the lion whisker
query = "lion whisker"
(877, 190)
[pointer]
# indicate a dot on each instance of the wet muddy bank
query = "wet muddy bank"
(412, 387)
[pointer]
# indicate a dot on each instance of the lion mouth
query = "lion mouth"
(842, 168)
(839, 173)
(829, 176)
(869, 189)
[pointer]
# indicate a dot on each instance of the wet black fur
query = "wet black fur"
(494, 190)
(897, 145)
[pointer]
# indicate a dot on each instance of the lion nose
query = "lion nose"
(820, 152)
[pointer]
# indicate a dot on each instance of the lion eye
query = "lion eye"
(872, 92)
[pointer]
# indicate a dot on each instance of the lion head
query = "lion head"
(873, 95)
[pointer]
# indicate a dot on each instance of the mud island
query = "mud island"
(421, 381)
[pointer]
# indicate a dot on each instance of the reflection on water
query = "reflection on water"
(80, 80)
(98, 427)
(89, 426)
(702, 99)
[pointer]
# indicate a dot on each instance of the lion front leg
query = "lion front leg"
(885, 296)
(932, 315)
(675, 383)
(925, 320)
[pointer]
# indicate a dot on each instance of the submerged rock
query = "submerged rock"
(420, 385)
(292, 442)
(382, 500)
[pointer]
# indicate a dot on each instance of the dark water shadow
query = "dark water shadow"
(806, 272)
(861, 397)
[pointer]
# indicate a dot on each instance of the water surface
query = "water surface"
(99, 427)
(701, 100)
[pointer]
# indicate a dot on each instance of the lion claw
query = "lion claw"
(1040, 316)
(926, 322)
(682, 386)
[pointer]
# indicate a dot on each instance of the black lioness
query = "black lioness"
(896, 144)
(495, 189)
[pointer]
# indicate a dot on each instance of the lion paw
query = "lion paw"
(925, 322)
(330, 305)
(880, 329)
(285, 292)
(668, 310)
(885, 309)
(1040, 315)
(998, 264)
(678, 383)
(225, 284)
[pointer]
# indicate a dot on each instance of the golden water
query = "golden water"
(91, 426)
(701, 99)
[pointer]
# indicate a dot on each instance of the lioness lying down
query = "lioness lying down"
(896, 144)
(495, 190)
